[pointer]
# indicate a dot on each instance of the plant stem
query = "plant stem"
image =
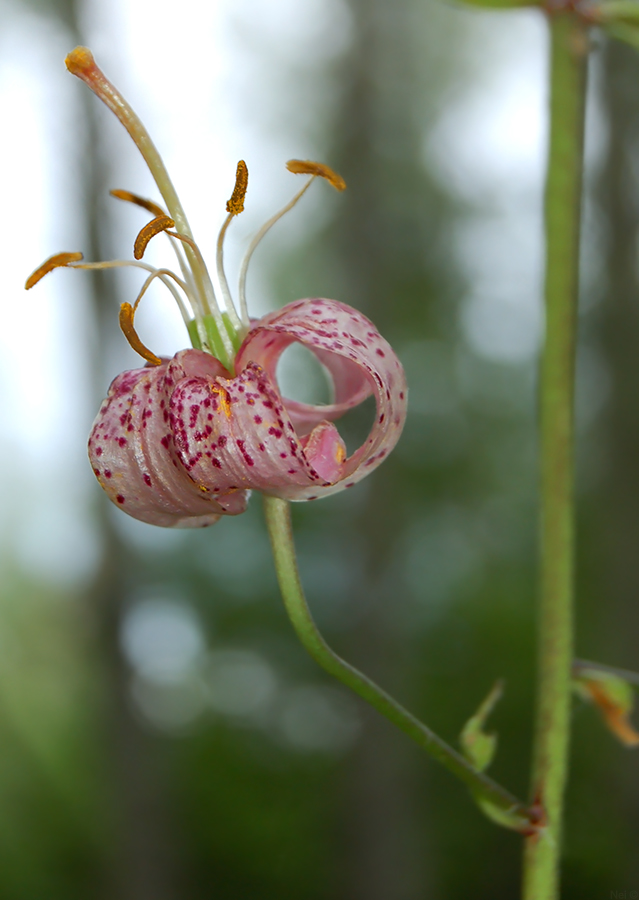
(568, 40)
(279, 527)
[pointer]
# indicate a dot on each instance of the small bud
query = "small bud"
(479, 747)
(614, 698)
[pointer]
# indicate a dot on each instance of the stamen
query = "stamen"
(155, 226)
(127, 313)
(256, 240)
(149, 205)
(308, 167)
(162, 274)
(236, 204)
(234, 207)
(157, 210)
(297, 167)
(57, 261)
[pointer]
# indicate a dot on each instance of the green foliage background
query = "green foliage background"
(424, 576)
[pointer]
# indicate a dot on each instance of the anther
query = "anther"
(57, 261)
(149, 205)
(155, 226)
(127, 313)
(236, 204)
(308, 167)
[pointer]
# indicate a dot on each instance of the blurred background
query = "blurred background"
(162, 734)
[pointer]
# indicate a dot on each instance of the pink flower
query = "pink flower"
(181, 442)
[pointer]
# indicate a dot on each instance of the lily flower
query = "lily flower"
(180, 442)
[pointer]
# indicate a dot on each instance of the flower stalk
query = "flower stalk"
(507, 809)
(568, 52)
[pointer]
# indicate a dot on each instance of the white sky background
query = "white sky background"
(211, 93)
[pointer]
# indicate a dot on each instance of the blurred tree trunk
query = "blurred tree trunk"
(620, 334)
(139, 863)
(378, 151)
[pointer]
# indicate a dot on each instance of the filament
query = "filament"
(256, 240)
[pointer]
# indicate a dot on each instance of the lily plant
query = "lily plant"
(183, 441)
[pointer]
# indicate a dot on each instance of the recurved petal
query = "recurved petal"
(326, 451)
(233, 434)
(132, 452)
(308, 322)
(361, 361)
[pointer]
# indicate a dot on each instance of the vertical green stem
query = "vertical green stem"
(568, 39)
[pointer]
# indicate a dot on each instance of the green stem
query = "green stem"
(568, 38)
(279, 527)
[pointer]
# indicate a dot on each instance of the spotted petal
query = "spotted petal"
(360, 361)
(132, 451)
(234, 434)
(309, 322)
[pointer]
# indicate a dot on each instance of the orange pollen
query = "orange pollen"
(80, 61)
(224, 398)
(57, 261)
(236, 204)
(149, 205)
(155, 226)
(127, 313)
(307, 167)
(340, 454)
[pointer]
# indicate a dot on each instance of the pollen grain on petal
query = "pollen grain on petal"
(235, 205)
(57, 261)
(80, 61)
(308, 167)
(155, 226)
(224, 398)
(129, 197)
(128, 329)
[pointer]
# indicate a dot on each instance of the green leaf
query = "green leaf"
(477, 746)
(614, 698)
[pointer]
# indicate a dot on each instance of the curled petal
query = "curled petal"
(233, 434)
(360, 361)
(132, 451)
(182, 443)
(272, 334)
(326, 451)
